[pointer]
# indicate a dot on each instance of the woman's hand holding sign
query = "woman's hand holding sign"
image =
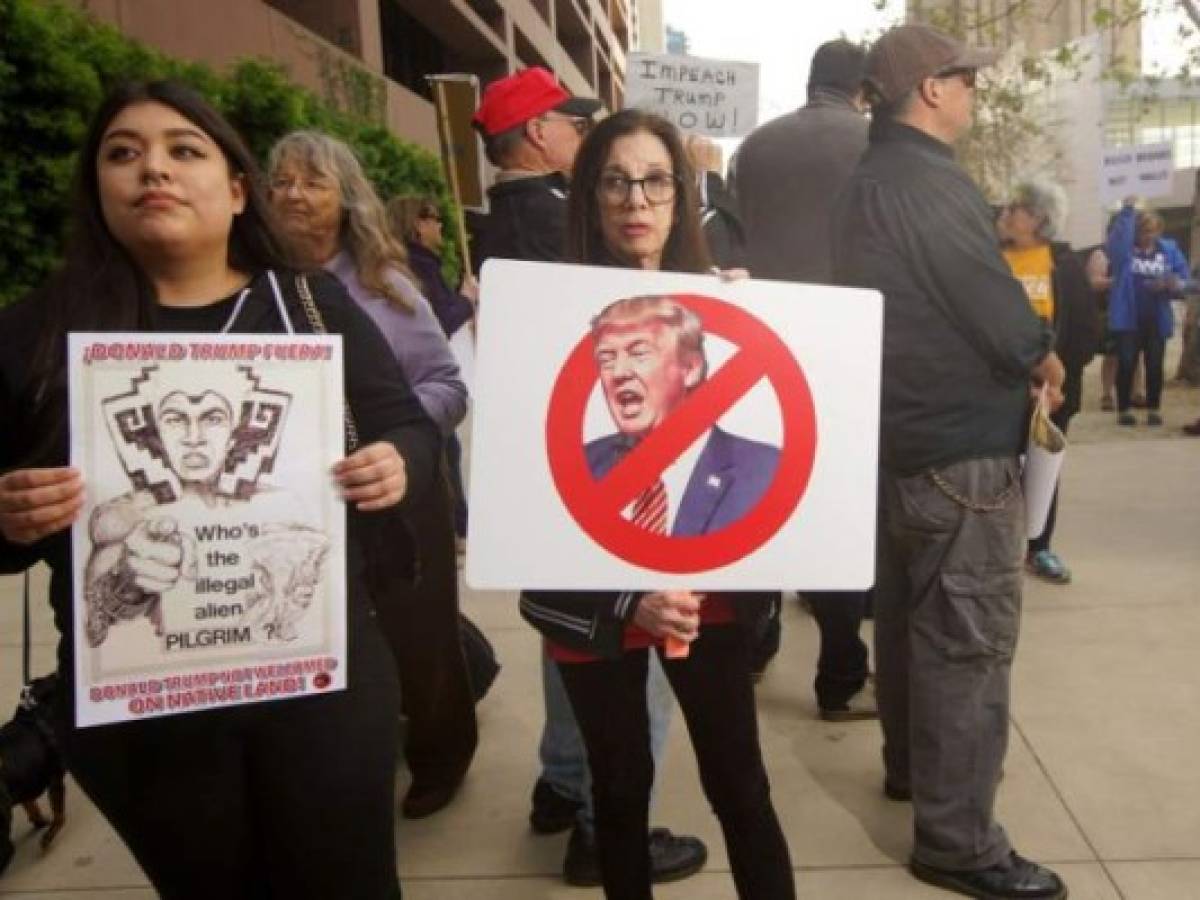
(36, 503)
(373, 477)
(673, 616)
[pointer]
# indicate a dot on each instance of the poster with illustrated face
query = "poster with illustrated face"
(651, 430)
(209, 560)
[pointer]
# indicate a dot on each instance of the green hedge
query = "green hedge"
(56, 66)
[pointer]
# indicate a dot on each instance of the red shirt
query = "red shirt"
(717, 609)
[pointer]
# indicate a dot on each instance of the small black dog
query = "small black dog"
(31, 765)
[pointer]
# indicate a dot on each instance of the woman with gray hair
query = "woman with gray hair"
(331, 217)
(1058, 291)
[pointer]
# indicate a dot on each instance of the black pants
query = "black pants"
(420, 621)
(284, 799)
(716, 695)
(1147, 343)
(458, 489)
(842, 666)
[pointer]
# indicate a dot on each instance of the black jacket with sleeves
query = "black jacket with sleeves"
(383, 405)
(527, 220)
(959, 336)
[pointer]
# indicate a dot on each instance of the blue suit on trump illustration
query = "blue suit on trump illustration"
(650, 353)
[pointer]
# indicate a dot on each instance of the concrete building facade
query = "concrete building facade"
(397, 42)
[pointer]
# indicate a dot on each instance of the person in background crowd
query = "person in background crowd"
(172, 233)
(633, 205)
(331, 217)
(418, 222)
(723, 231)
(961, 346)
(790, 171)
(532, 130)
(1148, 270)
(1060, 295)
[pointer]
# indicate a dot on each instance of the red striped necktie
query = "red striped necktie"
(650, 508)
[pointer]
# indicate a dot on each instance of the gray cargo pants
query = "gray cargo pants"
(947, 613)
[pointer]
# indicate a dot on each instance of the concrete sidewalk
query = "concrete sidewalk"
(1101, 779)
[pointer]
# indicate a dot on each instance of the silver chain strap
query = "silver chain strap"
(1000, 501)
(318, 326)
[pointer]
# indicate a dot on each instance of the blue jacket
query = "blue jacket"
(1123, 295)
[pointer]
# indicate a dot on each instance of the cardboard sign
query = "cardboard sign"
(747, 411)
(710, 97)
(1144, 170)
(209, 561)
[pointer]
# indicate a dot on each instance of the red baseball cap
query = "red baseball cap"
(524, 95)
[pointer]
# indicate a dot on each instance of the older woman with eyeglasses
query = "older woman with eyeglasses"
(331, 216)
(633, 204)
(1059, 292)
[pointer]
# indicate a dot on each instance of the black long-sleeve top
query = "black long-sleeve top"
(382, 404)
(959, 335)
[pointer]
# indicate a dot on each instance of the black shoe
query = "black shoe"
(1016, 878)
(425, 798)
(896, 792)
(550, 811)
(672, 858)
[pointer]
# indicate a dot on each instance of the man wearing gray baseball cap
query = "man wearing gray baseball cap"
(962, 351)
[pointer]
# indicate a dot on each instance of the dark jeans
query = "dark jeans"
(1147, 343)
(716, 695)
(947, 614)
(421, 622)
(282, 799)
(842, 666)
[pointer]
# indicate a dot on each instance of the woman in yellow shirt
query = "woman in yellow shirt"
(1057, 287)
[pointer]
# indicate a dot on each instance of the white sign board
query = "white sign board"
(209, 561)
(711, 97)
(752, 407)
(1143, 170)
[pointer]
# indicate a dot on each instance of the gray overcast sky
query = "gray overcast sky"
(780, 35)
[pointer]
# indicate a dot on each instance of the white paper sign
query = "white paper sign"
(1144, 170)
(756, 403)
(209, 561)
(712, 97)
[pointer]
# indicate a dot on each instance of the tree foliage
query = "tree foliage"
(1011, 126)
(56, 66)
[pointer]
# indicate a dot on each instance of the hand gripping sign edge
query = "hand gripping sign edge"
(761, 354)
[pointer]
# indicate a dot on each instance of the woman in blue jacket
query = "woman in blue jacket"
(1148, 270)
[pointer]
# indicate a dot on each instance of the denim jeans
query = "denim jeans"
(563, 757)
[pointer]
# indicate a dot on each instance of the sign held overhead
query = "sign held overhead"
(712, 97)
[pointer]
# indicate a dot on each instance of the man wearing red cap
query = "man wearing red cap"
(532, 129)
(961, 346)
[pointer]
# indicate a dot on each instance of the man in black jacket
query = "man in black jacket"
(532, 129)
(960, 347)
(789, 173)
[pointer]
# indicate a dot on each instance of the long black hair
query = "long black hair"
(685, 250)
(99, 286)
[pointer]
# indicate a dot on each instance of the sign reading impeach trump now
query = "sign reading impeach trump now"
(711, 97)
(640, 430)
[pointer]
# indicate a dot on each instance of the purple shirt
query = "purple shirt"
(416, 339)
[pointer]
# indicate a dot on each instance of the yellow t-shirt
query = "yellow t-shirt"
(1033, 268)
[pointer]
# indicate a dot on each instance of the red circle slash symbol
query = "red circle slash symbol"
(597, 504)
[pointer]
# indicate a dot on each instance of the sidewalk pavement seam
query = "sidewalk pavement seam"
(1066, 806)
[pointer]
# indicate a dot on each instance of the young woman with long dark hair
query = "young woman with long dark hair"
(171, 231)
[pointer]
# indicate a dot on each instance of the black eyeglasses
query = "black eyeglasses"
(431, 215)
(968, 76)
(658, 188)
